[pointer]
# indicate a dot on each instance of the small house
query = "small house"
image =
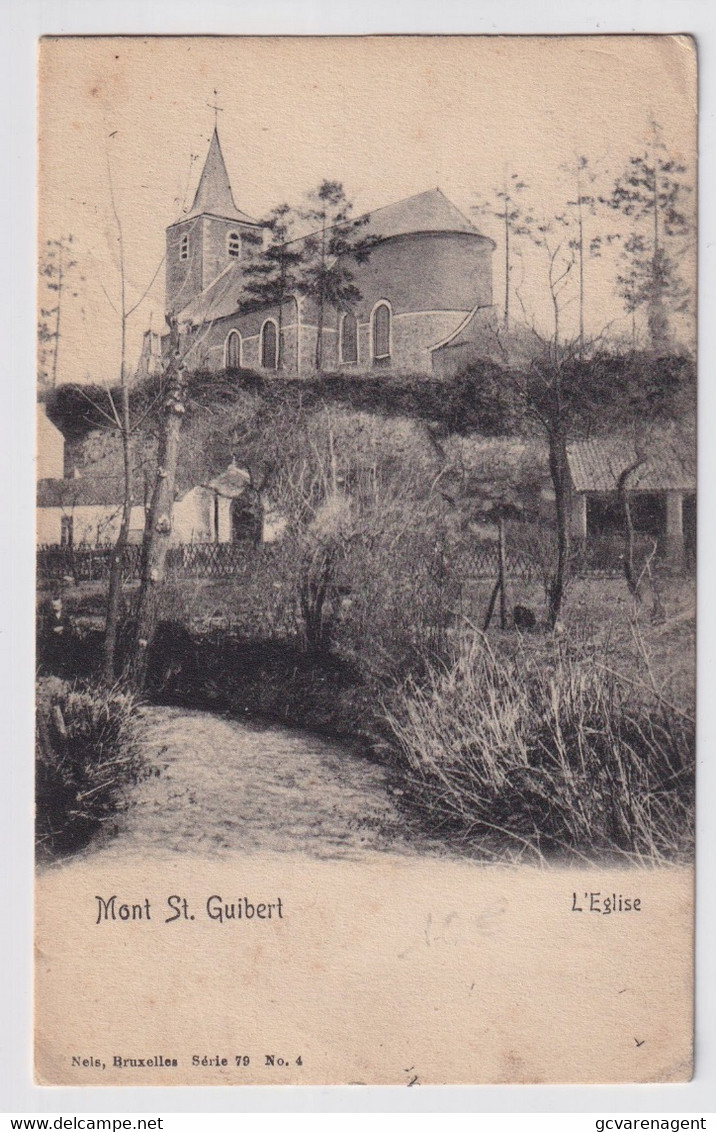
(87, 510)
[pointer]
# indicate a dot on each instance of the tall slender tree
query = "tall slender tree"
(120, 410)
(506, 205)
(582, 206)
(273, 276)
(329, 254)
(57, 273)
(653, 193)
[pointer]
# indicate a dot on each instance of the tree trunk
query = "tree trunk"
(581, 268)
(157, 532)
(623, 494)
(491, 606)
(114, 592)
(319, 334)
(507, 264)
(559, 472)
(57, 319)
(279, 337)
(321, 302)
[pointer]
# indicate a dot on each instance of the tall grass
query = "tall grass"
(547, 753)
(88, 754)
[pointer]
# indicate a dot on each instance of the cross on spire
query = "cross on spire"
(217, 109)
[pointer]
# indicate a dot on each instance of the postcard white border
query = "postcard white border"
(24, 21)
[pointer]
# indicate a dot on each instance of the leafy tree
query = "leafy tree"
(330, 252)
(271, 278)
(652, 193)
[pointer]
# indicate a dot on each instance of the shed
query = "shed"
(662, 489)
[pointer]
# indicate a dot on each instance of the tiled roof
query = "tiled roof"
(94, 491)
(595, 465)
(430, 211)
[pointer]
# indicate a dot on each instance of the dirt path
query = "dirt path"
(234, 786)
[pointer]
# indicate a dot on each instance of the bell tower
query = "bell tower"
(208, 238)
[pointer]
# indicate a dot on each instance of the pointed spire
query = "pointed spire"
(213, 195)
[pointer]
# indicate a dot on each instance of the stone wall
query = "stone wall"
(431, 282)
(183, 276)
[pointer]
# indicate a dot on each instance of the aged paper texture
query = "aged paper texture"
(366, 560)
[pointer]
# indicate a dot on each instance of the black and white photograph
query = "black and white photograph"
(366, 560)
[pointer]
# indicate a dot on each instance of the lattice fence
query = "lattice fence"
(85, 563)
(604, 557)
(208, 559)
(222, 560)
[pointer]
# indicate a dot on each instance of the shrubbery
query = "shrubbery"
(87, 746)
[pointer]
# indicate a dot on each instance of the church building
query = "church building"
(427, 278)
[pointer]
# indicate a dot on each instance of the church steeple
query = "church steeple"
(213, 196)
(212, 236)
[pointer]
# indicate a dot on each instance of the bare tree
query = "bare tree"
(507, 207)
(122, 419)
(57, 269)
(582, 206)
(182, 347)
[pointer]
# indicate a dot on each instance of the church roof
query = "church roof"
(430, 211)
(219, 300)
(213, 196)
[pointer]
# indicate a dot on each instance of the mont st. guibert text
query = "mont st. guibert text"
(176, 908)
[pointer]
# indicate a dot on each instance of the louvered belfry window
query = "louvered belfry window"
(349, 338)
(268, 345)
(381, 332)
(234, 245)
(184, 248)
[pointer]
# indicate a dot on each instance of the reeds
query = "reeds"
(87, 755)
(547, 753)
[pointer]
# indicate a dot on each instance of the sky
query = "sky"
(387, 116)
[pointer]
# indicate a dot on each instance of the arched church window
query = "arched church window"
(234, 245)
(232, 350)
(381, 332)
(349, 338)
(184, 247)
(269, 345)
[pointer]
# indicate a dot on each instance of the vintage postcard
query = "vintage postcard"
(366, 542)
